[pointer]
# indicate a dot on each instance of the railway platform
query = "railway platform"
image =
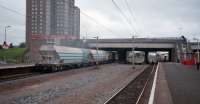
(10, 70)
(2, 67)
(176, 84)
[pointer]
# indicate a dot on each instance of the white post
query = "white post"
(5, 60)
(6, 32)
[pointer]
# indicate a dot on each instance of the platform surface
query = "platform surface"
(177, 84)
(15, 66)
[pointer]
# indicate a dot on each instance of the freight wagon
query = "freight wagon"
(56, 58)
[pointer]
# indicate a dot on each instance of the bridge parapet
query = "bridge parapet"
(130, 45)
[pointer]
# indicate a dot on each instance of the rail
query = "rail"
(139, 96)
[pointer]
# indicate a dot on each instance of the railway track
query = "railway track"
(11, 74)
(134, 92)
(17, 76)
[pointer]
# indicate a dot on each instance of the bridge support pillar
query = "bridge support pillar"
(122, 56)
(172, 55)
(146, 57)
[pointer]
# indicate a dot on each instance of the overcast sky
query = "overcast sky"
(150, 18)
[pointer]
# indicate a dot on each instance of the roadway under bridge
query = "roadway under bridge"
(171, 45)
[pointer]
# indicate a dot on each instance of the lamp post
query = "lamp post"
(198, 63)
(133, 53)
(97, 57)
(6, 27)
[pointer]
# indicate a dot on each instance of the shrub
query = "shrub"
(22, 45)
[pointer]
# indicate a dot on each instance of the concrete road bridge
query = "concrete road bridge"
(121, 46)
